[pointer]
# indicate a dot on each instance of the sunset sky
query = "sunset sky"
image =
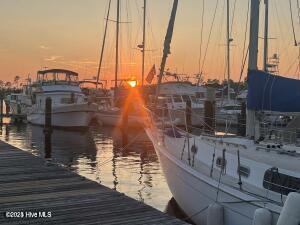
(68, 34)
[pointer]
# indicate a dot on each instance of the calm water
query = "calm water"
(98, 155)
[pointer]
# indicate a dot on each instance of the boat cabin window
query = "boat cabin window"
(177, 98)
(232, 107)
(186, 98)
(280, 183)
(200, 95)
(67, 101)
(194, 99)
(243, 171)
(57, 77)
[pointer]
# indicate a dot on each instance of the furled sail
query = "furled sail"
(268, 92)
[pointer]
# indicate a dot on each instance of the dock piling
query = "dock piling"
(242, 121)
(48, 128)
(209, 111)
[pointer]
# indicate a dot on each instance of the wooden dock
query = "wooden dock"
(35, 192)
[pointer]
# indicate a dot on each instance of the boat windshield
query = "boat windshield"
(57, 77)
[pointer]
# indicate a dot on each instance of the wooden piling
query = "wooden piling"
(209, 111)
(242, 120)
(48, 128)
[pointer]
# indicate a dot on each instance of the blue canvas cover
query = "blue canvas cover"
(268, 92)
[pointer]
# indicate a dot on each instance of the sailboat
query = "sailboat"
(111, 114)
(220, 178)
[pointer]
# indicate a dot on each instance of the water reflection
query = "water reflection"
(100, 154)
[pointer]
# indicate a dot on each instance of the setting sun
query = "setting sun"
(132, 83)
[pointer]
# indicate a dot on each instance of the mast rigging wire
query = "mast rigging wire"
(292, 21)
(233, 16)
(209, 36)
(103, 44)
(201, 38)
(244, 58)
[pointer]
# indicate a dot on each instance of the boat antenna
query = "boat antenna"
(103, 44)
(144, 41)
(167, 43)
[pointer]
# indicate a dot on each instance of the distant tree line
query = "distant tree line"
(236, 86)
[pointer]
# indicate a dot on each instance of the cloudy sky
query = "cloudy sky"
(35, 34)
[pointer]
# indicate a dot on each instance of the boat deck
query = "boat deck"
(33, 191)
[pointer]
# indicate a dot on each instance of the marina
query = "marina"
(172, 113)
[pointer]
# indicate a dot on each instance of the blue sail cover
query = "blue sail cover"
(267, 92)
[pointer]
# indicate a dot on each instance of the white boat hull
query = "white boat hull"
(194, 192)
(79, 116)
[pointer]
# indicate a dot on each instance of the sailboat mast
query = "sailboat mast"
(167, 43)
(144, 42)
(253, 55)
(117, 44)
(254, 29)
(103, 44)
(228, 51)
(266, 36)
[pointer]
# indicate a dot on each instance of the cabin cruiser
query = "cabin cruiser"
(70, 109)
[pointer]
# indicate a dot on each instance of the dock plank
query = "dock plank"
(29, 184)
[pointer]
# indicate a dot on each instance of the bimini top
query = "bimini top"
(268, 92)
(68, 72)
(57, 77)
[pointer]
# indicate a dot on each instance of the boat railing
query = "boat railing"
(170, 118)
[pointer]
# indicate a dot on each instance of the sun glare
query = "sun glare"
(132, 83)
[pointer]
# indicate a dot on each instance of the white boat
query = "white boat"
(228, 113)
(70, 108)
(108, 115)
(174, 96)
(18, 104)
(230, 179)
